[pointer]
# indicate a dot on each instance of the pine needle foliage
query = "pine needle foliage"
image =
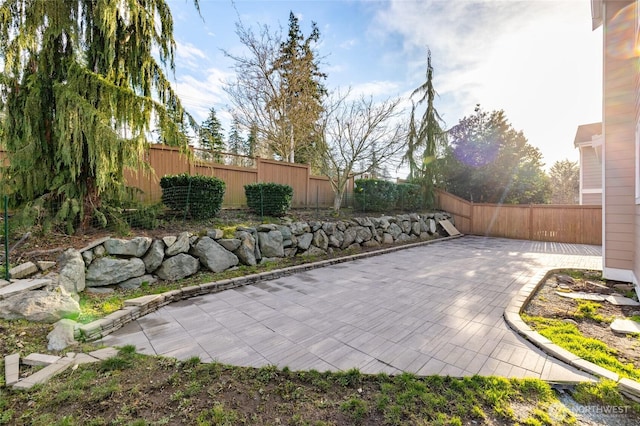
(80, 91)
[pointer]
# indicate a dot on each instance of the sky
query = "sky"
(538, 60)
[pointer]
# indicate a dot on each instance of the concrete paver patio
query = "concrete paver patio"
(432, 309)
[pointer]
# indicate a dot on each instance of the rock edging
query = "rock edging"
(511, 315)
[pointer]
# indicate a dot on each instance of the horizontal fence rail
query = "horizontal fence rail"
(578, 224)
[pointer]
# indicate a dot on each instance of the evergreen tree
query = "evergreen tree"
(235, 141)
(211, 137)
(250, 146)
(80, 87)
(425, 139)
(301, 91)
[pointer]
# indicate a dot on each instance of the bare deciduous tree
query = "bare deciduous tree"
(356, 130)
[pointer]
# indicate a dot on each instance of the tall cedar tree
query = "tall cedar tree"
(80, 91)
(489, 161)
(211, 137)
(426, 140)
(301, 92)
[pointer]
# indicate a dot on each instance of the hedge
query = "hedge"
(199, 197)
(269, 199)
(375, 195)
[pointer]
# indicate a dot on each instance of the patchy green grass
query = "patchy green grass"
(567, 336)
(166, 391)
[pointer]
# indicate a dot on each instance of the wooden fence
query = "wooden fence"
(308, 190)
(578, 224)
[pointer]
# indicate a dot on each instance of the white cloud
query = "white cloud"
(189, 56)
(375, 89)
(199, 95)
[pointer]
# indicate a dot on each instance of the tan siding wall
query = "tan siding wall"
(591, 169)
(619, 149)
(592, 199)
(637, 252)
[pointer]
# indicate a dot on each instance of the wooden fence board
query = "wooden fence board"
(579, 224)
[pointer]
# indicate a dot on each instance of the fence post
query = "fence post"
(6, 238)
(531, 222)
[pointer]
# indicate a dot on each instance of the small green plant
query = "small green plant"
(217, 415)
(589, 309)
(356, 408)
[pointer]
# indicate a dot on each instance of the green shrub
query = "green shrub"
(269, 199)
(375, 195)
(199, 197)
(410, 197)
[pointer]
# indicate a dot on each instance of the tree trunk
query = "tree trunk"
(337, 199)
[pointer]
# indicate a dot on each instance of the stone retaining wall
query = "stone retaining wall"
(129, 263)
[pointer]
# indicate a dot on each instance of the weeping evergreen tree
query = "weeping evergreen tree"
(81, 90)
(425, 139)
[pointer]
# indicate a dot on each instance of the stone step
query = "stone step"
(23, 270)
(621, 301)
(42, 376)
(40, 359)
(11, 369)
(23, 285)
(625, 326)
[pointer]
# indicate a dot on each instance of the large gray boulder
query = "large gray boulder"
(181, 245)
(271, 243)
(299, 228)
(415, 228)
(178, 267)
(40, 305)
(394, 230)
(363, 234)
(230, 244)
(321, 240)
(154, 257)
(62, 335)
(350, 235)
(431, 226)
(136, 247)
(213, 256)
(107, 271)
(246, 251)
(72, 273)
(304, 241)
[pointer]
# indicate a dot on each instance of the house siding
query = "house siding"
(591, 176)
(619, 166)
(636, 268)
(592, 199)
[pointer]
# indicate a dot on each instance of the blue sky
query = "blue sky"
(538, 60)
